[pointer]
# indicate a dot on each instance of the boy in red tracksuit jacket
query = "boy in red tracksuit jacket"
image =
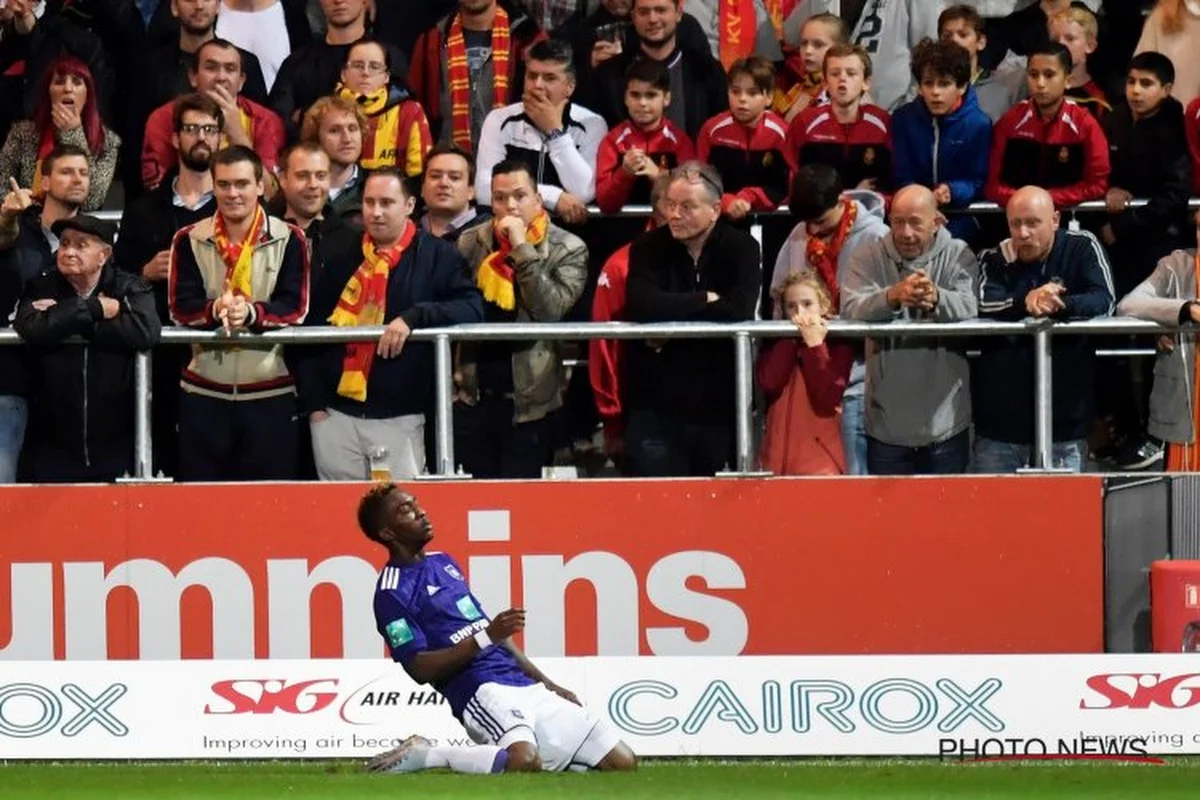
(1047, 140)
(606, 356)
(849, 134)
(748, 144)
(637, 151)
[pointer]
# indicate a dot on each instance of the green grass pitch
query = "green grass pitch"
(844, 778)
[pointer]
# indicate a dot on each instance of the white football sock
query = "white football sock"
(478, 760)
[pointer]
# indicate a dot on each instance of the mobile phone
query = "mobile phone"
(612, 32)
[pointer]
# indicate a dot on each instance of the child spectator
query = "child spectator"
(803, 379)
(397, 133)
(849, 134)
(634, 153)
(1149, 160)
(1047, 140)
(801, 81)
(747, 144)
(942, 139)
(997, 90)
(1076, 29)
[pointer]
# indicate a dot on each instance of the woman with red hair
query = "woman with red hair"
(66, 114)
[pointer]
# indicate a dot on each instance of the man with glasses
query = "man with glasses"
(218, 73)
(698, 268)
(149, 224)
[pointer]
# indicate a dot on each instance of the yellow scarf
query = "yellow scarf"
(363, 303)
(239, 257)
(381, 139)
(495, 275)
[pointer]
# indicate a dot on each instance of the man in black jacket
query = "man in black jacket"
(144, 248)
(366, 402)
(14, 408)
(27, 244)
(82, 395)
(697, 79)
(1044, 272)
(681, 392)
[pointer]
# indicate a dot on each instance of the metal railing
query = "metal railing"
(742, 335)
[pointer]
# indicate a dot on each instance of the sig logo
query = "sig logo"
(1134, 690)
(28, 710)
(892, 705)
(268, 695)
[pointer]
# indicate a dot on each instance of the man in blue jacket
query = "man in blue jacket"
(1042, 271)
(366, 401)
(942, 139)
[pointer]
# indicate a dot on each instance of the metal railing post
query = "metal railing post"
(1043, 394)
(443, 377)
(143, 444)
(743, 392)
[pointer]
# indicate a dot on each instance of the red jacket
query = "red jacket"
(858, 151)
(605, 355)
(1191, 125)
(753, 162)
(667, 145)
(804, 387)
(159, 156)
(1067, 155)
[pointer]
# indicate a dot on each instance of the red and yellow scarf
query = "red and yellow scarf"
(460, 75)
(363, 303)
(381, 139)
(495, 275)
(1185, 457)
(738, 24)
(239, 257)
(823, 255)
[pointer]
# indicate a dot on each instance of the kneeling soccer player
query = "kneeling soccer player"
(520, 719)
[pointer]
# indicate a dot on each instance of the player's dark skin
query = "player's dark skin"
(405, 535)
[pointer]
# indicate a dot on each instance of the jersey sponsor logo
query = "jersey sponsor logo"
(453, 572)
(468, 631)
(398, 633)
(467, 607)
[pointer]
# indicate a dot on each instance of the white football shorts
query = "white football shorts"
(566, 736)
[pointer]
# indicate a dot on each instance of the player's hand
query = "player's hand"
(565, 694)
(393, 339)
(572, 210)
(738, 209)
(505, 624)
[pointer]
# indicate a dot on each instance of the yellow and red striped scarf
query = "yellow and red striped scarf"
(362, 303)
(239, 257)
(1185, 457)
(495, 275)
(460, 75)
(381, 139)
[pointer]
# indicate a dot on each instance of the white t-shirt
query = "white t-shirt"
(263, 33)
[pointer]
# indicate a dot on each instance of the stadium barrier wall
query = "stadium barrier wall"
(721, 567)
(956, 707)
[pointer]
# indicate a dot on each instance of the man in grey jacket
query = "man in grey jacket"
(506, 423)
(918, 389)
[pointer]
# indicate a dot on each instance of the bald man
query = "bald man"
(918, 390)
(1041, 271)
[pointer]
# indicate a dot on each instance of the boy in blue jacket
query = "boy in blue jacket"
(942, 139)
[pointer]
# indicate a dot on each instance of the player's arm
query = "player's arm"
(435, 666)
(530, 669)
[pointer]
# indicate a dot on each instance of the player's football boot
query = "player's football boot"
(408, 757)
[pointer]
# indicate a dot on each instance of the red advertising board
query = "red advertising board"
(724, 567)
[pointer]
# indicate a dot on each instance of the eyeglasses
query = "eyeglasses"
(195, 129)
(367, 67)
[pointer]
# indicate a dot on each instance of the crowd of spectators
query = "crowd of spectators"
(435, 162)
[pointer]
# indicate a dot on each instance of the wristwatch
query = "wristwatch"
(555, 134)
